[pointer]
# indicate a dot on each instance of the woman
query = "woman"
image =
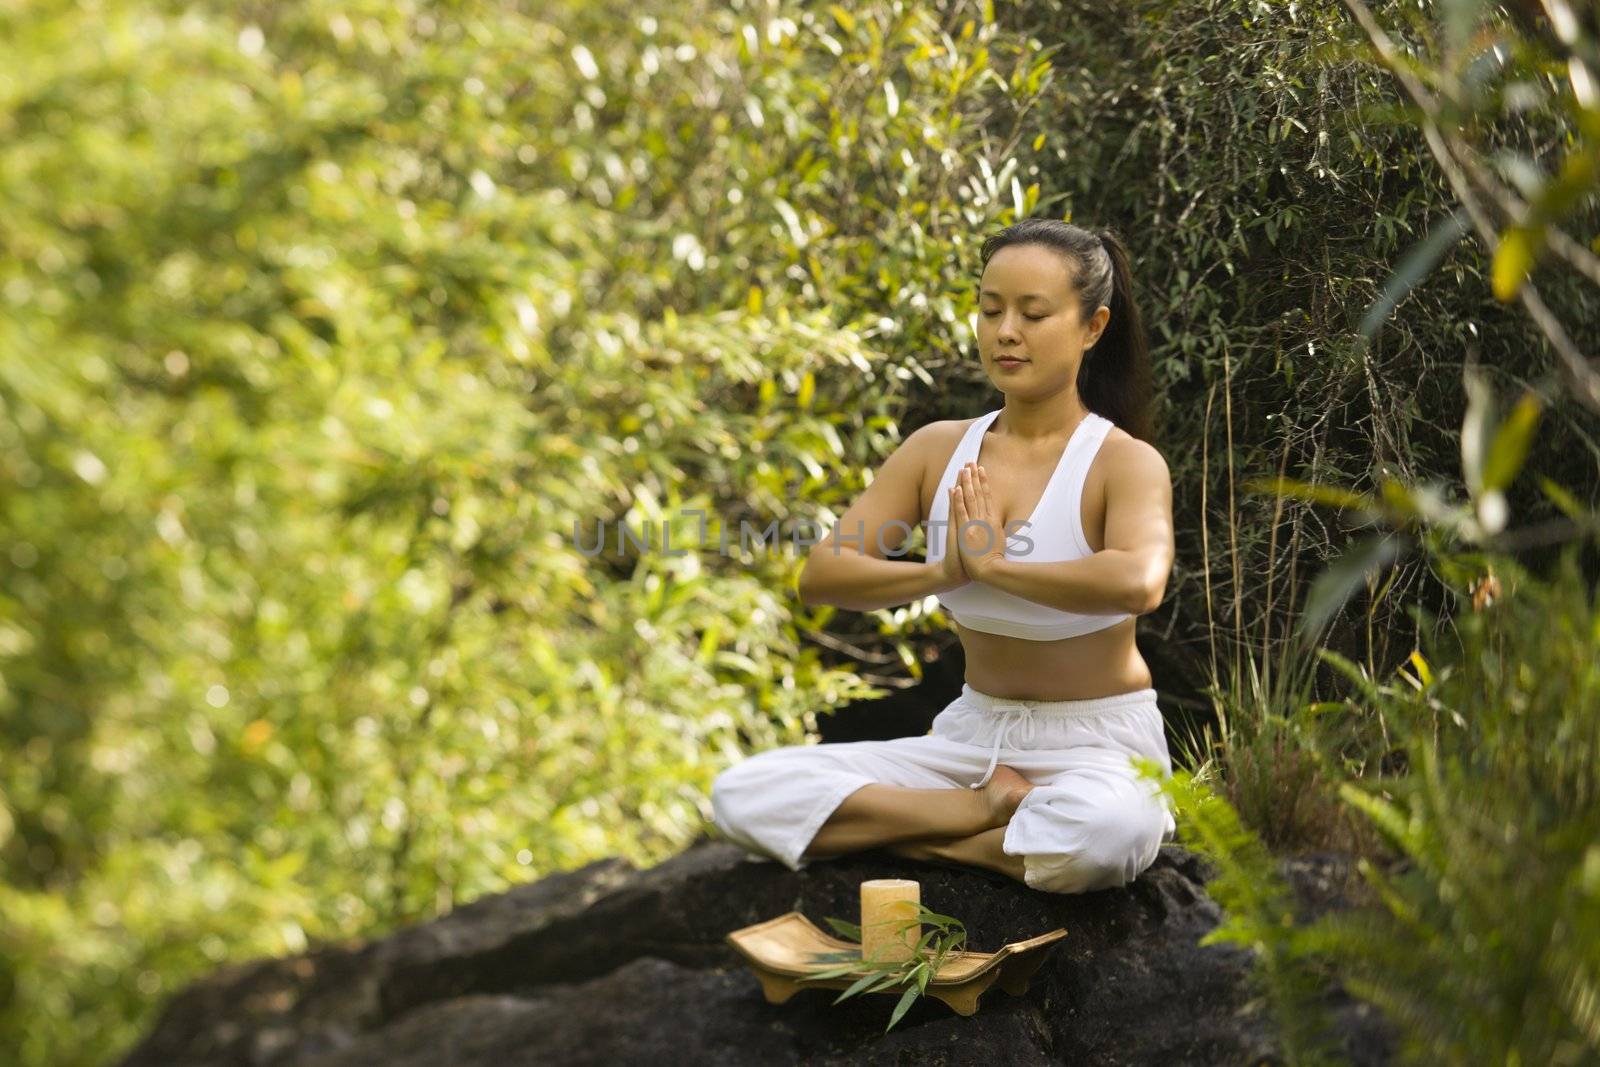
(1049, 530)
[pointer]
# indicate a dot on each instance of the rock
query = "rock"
(609, 964)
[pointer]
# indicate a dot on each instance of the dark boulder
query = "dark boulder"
(609, 964)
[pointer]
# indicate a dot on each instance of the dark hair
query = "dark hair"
(1114, 380)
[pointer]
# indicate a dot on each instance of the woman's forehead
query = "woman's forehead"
(1025, 271)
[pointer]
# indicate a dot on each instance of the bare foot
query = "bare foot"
(1004, 792)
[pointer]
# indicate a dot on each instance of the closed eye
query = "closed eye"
(1034, 318)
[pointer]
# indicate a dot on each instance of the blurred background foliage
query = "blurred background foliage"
(332, 332)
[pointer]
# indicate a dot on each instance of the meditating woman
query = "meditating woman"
(1049, 530)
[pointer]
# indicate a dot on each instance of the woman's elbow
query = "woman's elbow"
(818, 583)
(805, 586)
(1149, 599)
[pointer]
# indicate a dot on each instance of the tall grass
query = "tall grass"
(1484, 943)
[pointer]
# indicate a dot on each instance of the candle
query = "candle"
(885, 903)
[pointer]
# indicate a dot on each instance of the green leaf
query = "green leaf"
(1413, 267)
(1562, 498)
(1335, 585)
(844, 929)
(1388, 818)
(1511, 444)
(935, 917)
(858, 986)
(1311, 493)
(888, 980)
(1513, 260)
(900, 1008)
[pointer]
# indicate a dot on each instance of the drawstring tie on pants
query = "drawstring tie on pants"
(1013, 714)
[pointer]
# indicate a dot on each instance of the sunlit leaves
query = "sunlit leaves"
(330, 323)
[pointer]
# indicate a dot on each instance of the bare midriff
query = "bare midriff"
(1103, 663)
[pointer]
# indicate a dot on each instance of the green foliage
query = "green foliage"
(1484, 945)
(324, 326)
(1280, 762)
(1254, 274)
(1487, 946)
(1272, 185)
(1257, 913)
(332, 331)
(944, 936)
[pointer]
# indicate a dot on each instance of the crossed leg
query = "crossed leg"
(957, 825)
(978, 850)
(1087, 828)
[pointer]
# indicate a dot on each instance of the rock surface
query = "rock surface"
(610, 964)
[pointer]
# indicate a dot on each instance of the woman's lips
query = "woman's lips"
(1008, 362)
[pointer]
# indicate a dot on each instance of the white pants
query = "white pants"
(1091, 822)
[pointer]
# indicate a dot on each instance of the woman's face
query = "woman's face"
(1029, 329)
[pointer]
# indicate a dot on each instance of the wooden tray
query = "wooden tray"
(780, 951)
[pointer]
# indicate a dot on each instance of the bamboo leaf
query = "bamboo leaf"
(1513, 260)
(1562, 498)
(900, 1008)
(844, 929)
(859, 985)
(1413, 267)
(1335, 585)
(935, 917)
(1511, 442)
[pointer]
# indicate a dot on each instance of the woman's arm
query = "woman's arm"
(1129, 573)
(850, 568)
(861, 582)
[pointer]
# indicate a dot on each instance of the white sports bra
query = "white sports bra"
(1055, 530)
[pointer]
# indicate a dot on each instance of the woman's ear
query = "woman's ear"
(1097, 323)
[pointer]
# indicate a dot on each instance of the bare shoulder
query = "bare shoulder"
(946, 426)
(1133, 459)
(941, 432)
(936, 440)
(934, 443)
